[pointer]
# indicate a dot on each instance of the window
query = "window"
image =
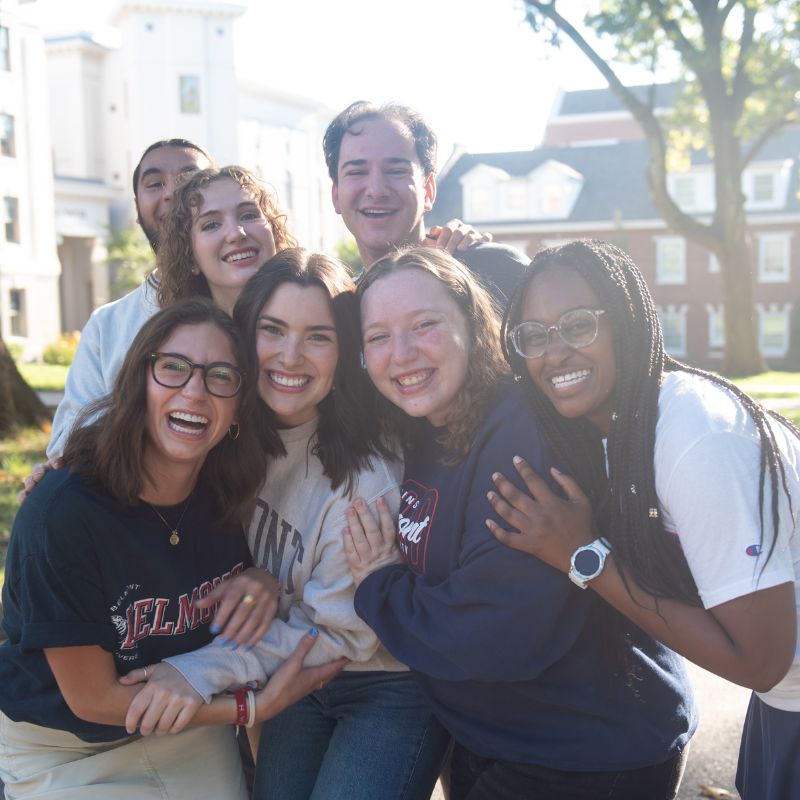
(5, 50)
(480, 201)
(763, 187)
(670, 260)
(16, 312)
(713, 263)
(716, 326)
(773, 257)
(673, 326)
(190, 94)
(554, 200)
(11, 219)
(773, 329)
(288, 191)
(7, 144)
(517, 194)
(683, 190)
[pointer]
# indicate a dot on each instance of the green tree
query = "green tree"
(347, 251)
(739, 66)
(131, 257)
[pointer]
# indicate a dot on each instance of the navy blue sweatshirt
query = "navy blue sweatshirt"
(84, 570)
(518, 663)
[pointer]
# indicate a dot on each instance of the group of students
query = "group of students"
(365, 516)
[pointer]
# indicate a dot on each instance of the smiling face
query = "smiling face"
(416, 343)
(160, 173)
(231, 239)
(184, 424)
(298, 351)
(381, 191)
(578, 382)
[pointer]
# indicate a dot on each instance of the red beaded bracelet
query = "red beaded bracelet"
(240, 696)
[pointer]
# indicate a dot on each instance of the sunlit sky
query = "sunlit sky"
(473, 67)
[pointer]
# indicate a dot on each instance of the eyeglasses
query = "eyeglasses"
(577, 328)
(174, 371)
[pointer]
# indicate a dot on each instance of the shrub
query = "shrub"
(62, 351)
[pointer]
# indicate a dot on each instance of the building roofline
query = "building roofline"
(79, 39)
(209, 7)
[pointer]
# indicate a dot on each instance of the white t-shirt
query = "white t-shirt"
(707, 456)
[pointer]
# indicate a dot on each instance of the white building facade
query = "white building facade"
(169, 71)
(29, 266)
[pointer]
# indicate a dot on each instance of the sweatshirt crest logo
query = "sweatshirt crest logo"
(417, 510)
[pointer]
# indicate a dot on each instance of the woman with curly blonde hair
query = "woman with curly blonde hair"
(223, 225)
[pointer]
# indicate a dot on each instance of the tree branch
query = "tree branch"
(766, 135)
(726, 10)
(672, 29)
(742, 85)
(657, 166)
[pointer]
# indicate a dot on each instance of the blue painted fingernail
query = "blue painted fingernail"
(314, 632)
(234, 645)
(215, 628)
(222, 641)
(248, 648)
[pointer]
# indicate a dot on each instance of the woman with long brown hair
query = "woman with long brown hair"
(105, 560)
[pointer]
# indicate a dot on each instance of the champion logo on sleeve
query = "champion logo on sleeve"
(753, 550)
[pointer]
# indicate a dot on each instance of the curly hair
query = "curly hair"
(348, 434)
(485, 363)
(642, 547)
(108, 441)
(175, 257)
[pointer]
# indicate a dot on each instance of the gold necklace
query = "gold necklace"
(174, 537)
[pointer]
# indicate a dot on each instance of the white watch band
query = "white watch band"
(599, 550)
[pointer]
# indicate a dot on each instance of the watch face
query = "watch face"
(587, 562)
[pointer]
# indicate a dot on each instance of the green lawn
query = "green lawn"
(47, 377)
(788, 379)
(17, 455)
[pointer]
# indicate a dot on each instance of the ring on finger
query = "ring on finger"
(248, 599)
(144, 671)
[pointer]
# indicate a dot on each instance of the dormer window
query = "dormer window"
(517, 194)
(548, 192)
(763, 187)
(480, 203)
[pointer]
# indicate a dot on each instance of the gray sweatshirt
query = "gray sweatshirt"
(296, 534)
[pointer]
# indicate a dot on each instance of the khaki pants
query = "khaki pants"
(37, 762)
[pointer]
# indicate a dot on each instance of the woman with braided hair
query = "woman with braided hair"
(680, 506)
(543, 698)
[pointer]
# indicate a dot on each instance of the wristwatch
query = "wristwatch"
(587, 562)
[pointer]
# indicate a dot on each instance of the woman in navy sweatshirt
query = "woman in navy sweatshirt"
(547, 691)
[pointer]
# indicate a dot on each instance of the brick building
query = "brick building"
(587, 180)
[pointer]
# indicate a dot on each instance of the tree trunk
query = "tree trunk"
(19, 404)
(742, 355)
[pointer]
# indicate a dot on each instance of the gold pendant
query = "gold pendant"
(174, 539)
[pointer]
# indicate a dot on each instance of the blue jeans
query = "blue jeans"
(364, 735)
(476, 778)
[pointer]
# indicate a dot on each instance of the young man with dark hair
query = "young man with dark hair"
(163, 165)
(109, 331)
(382, 162)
